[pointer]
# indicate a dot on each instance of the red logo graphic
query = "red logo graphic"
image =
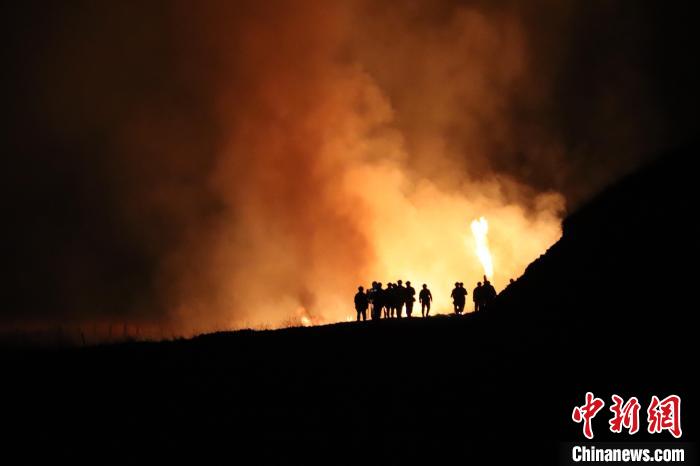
(665, 415)
(626, 415)
(661, 415)
(587, 412)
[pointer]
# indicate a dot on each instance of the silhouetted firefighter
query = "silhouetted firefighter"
(455, 297)
(477, 296)
(389, 309)
(399, 298)
(371, 300)
(489, 292)
(361, 303)
(459, 297)
(410, 294)
(379, 301)
(382, 296)
(425, 297)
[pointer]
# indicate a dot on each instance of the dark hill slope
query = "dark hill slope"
(609, 308)
(612, 306)
(630, 255)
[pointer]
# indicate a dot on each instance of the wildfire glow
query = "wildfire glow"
(347, 184)
(480, 230)
(303, 317)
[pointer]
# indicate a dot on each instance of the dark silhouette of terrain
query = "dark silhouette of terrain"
(610, 308)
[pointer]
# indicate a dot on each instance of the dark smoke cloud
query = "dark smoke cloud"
(172, 161)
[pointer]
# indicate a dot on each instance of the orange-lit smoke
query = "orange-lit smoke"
(188, 166)
(339, 167)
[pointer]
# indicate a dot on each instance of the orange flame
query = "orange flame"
(304, 318)
(480, 230)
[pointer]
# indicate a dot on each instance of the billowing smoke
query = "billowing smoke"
(338, 166)
(218, 165)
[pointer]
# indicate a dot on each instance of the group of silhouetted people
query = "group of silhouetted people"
(390, 302)
(483, 295)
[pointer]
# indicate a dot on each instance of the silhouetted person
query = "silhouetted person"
(380, 300)
(478, 296)
(425, 297)
(361, 303)
(389, 293)
(459, 296)
(456, 294)
(410, 295)
(399, 298)
(489, 292)
(371, 295)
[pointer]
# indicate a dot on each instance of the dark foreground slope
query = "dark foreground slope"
(609, 309)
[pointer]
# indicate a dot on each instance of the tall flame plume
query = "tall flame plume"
(480, 230)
